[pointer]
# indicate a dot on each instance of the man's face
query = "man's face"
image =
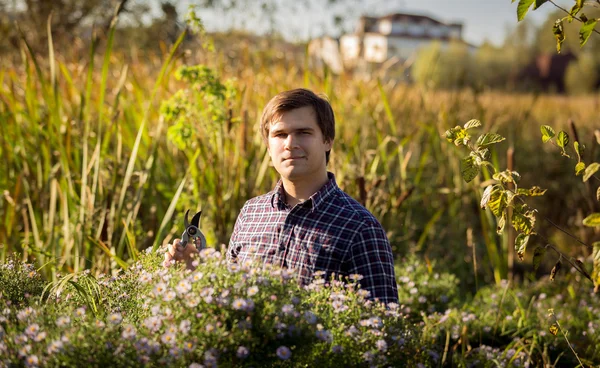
(296, 145)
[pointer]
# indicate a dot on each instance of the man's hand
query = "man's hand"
(176, 253)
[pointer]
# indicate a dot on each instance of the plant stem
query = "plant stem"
(566, 339)
(566, 11)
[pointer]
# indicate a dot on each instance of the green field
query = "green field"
(103, 151)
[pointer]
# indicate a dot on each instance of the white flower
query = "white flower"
(253, 290)
(32, 361)
(185, 326)
(115, 318)
(128, 332)
(381, 345)
(55, 347)
(32, 330)
(168, 338)
(197, 276)
(160, 288)
(80, 312)
(145, 277)
(183, 287)
(239, 304)
(169, 295)
(153, 323)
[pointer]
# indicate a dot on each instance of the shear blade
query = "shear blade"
(196, 219)
(186, 222)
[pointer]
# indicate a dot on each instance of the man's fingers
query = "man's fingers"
(170, 250)
(167, 261)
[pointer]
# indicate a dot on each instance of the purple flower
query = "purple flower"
(381, 345)
(284, 353)
(242, 352)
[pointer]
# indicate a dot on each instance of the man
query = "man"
(307, 222)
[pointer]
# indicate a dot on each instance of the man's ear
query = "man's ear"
(328, 144)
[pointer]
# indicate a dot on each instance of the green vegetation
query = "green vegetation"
(103, 151)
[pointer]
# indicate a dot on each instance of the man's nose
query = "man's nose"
(291, 141)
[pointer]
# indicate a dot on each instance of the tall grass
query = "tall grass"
(90, 177)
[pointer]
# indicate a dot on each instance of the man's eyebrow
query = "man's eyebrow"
(301, 129)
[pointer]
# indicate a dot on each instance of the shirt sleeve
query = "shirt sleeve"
(233, 248)
(370, 256)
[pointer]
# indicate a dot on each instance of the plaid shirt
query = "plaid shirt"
(329, 232)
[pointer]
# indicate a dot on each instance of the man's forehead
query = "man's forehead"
(280, 117)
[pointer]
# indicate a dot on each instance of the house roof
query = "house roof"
(409, 18)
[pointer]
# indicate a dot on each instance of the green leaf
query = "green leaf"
(473, 123)
(592, 220)
(547, 133)
(507, 176)
(538, 254)
(535, 191)
(497, 202)
(596, 263)
(563, 139)
(476, 158)
(523, 8)
(523, 220)
(539, 3)
(468, 168)
(579, 168)
(575, 9)
(598, 194)
(521, 245)
(559, 34)
(489, 138)
(501, 224)
(485, 197)
(591, 170)
(484, 152)
(586, 30)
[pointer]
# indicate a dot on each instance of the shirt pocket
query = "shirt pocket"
(257, 249)
(319, 251)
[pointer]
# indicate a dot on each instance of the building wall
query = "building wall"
(375, 48)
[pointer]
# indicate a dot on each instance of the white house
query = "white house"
(380, 39)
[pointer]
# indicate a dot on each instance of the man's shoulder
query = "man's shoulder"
(259, 202)
(351, 207)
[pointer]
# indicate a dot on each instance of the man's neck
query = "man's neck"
(297, 191)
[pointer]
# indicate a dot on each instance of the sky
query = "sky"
(482, 19)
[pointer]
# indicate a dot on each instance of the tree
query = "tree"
(582, 76)
(444, 67)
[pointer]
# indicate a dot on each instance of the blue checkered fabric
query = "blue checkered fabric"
(329, 232)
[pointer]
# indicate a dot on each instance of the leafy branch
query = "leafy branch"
(588, 25)
(499, 197)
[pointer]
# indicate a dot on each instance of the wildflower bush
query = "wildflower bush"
(506, 325)
(218, 314)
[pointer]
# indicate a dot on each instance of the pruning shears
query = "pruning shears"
(192, 232)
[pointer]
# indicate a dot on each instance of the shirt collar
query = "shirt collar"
(315, 200)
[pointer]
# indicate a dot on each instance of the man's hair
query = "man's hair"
(295, 99)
